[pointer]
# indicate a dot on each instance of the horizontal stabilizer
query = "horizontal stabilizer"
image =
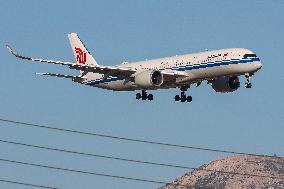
(74, 78)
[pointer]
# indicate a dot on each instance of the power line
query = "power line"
(132, 139)
(26, 184)
(94, 155)
(93, 173)
(137, 161)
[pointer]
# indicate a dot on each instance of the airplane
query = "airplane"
(220, 68)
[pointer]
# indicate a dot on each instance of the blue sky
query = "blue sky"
(249, 120)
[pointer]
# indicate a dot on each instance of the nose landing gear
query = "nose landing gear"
(144, 96)
(183, 97)
(248, 82)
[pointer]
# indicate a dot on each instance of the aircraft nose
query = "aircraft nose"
(258, 65)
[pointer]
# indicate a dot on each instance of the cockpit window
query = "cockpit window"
(249, 55)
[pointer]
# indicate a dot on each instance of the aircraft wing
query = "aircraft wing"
(110, 70)
(123, 72)
(74, 78)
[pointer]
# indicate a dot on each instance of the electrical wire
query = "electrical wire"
(95, 173)
(19, 123)
(93, 155)
(138, 161)
(27, 184)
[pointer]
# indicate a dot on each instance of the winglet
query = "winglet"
(16, 54)
(10, 50)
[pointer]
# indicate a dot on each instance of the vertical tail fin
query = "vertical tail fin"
(81, 53)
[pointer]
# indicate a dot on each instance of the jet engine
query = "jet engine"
(149, 78)
(226, 84)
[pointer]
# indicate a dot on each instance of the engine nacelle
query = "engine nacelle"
(226, 84)
(149, 78)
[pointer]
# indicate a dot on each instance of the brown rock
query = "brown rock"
(244, 166)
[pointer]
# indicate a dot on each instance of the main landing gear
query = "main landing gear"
(144, 96)
(248, 82)
(182, 97)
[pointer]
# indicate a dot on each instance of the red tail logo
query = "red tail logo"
(81, 56)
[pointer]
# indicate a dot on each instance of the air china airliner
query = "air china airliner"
(219, 68)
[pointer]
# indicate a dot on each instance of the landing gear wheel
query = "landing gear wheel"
(189, 98)
(248, 84)
(138, 96)
(150, 97)
(144, 95)
(177, 98)
(183, 98)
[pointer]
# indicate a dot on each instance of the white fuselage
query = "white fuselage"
(197, 67)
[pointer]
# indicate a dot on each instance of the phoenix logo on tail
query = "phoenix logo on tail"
(81, 56)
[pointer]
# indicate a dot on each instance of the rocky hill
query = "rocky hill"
(265, 166)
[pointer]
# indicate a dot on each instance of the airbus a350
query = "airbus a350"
(219, 68)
